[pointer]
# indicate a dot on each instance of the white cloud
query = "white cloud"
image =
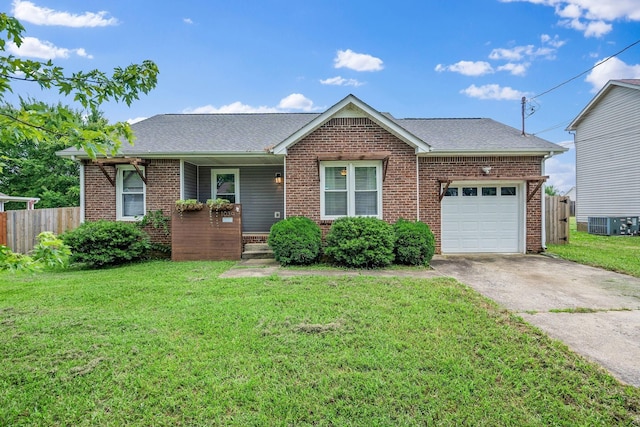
(295, 101)
(562, 171)
(613, 69)
(357, 61)
(233, 108)
(554, 41)
(592, 17)
(518, 53)
(515, 69)
(187, 20)
(28, 12)
(34, 48)
(340, 81)
(467, 68)
(589, 28)
(493, 91)
(136, 120)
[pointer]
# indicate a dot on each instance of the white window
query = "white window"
(225, 184)
(350, 189)
(130, 193)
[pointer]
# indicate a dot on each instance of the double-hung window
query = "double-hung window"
(350, 189)
(130, 193)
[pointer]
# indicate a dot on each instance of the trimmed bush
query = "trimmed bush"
(296, 240)
(107, 243)
(415, 244)
(360, 242)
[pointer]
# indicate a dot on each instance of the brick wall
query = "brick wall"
(357, 136)
(432, 168)
(163, 189)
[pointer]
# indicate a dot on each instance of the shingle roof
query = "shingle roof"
(210, 134)
(478, 134)
(635, 82)
(214, 133)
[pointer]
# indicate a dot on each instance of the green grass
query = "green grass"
(615, 253)
(164, 343)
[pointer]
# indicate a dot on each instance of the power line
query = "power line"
(584, 72)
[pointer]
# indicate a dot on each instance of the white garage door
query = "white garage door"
(479, 218)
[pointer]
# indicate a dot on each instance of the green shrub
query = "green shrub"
(105, 243)
(360, 242)
(15, 262)
(296, 240)
(51, 251)
(415, 244)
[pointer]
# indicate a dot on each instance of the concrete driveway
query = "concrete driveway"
(536, 287)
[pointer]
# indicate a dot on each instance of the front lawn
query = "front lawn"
(615, 253)
(164, 343)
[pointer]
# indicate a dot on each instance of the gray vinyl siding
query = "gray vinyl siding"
(260, 196)
(190, 177)
(607, 143)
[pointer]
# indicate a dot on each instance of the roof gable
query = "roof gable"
(627, 83)
(351, 106)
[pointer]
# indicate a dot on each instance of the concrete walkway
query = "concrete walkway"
(595, 312)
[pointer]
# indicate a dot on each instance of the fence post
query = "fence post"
(3, 228)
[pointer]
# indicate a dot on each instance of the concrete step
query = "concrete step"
(257, 251)
(256, 247)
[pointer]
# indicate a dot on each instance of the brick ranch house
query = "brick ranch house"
(476, 182)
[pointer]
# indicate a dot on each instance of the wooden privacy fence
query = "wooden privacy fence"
(20, 229)
(557, 213)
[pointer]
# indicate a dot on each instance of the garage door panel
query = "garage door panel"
(487, 222)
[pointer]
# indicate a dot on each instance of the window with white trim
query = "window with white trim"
(130, 193)
(225, 184)
(350, 189)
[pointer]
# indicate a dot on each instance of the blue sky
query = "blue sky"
(428, 58)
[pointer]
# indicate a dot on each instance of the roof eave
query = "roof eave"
(81, 155)
(510, 152)
(601, 93)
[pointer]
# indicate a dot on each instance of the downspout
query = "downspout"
(181, 179)
(417, 188)
(284, 193)
(542, 203)
(82, 202)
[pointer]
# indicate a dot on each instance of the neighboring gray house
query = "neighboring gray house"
(571, 194)
(607, 137)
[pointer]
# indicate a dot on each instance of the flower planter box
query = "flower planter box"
(207, 234)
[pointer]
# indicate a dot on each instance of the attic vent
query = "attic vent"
(349, 121)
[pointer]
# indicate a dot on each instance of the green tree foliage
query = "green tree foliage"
(32, 168)
(550, 190)
(90, 89)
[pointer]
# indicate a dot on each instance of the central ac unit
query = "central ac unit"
(614, 226)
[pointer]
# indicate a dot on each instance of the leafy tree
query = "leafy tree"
(88, 88)
(32, 168)
(550, 190)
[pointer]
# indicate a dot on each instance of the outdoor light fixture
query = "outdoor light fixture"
(278, 178)
(486, 169)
